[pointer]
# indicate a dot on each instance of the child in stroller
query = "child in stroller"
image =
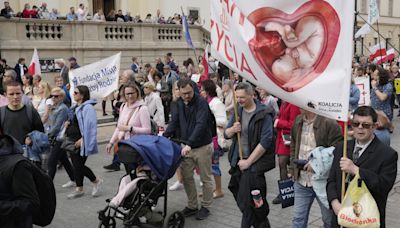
(149, 161)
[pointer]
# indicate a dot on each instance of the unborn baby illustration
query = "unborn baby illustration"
(303, 47)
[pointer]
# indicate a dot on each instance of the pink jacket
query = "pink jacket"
(140, 121)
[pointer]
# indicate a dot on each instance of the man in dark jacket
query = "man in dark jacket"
(19, 199)
(247, 173)
(21, 69)
(192, 120)
(375, 162)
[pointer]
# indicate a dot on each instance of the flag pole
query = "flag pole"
(377, 31)
(236, 120)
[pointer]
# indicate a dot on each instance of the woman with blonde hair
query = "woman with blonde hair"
(154, 104)
(42, 102)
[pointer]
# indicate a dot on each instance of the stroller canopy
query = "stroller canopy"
(159, 153)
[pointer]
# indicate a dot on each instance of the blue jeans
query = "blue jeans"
(383, 135)
(303, 199)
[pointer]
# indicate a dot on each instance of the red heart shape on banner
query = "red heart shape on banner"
(294, 49)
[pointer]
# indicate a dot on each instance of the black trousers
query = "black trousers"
(81, 170)
(56, 154)
(241, 185)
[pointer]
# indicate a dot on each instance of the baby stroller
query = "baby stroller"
(162, 157)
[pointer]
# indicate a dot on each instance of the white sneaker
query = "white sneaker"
(75, 194)
(96, 187)
(176, 186)
(69, 184)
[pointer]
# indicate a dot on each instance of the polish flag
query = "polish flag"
(377, 51)
(204, 62)
(34, 66)
(390, 55)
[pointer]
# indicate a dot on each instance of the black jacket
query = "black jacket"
(19, 199)
(19, 73)
(260, 126)
(378, 169)
(192, 120)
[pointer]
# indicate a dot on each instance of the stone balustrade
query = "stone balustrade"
(90, 41)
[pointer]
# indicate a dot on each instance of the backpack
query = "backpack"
(47, 195)
(44, 187)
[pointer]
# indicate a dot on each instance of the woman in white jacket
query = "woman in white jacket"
(219, 111)
(154, 104)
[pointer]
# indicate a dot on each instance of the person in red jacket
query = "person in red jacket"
(283, 124)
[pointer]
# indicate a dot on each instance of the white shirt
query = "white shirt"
(363, 147)
(82, 13)
(21, 69)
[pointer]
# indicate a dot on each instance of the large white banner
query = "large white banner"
(100, 77)
(298, 50)
(363, 85)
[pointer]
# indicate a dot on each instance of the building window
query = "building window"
(363, 6)
(376, 40)
(388, 42)
(391, 8)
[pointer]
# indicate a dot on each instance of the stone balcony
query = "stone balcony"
(90, 41)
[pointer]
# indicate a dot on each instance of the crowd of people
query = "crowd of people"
(81, 13)
(183, 101)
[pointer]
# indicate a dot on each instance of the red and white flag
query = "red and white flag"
(34, 66)
(204, 62)
(390, 55)
(377, 50)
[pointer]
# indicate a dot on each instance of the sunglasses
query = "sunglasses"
(363, 125)
(55, 96)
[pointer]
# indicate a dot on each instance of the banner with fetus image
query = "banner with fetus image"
(298, 50)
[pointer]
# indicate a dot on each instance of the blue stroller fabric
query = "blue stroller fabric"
(159, 153)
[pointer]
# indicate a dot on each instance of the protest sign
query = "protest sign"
(363, 85)
(300, 51)
(100, 77)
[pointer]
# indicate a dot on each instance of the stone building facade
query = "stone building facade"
(389, 26)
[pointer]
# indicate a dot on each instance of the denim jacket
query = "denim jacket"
(56, 119)
(321, 161)
(87, 121)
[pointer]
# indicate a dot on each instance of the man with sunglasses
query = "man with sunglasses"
(367, 155)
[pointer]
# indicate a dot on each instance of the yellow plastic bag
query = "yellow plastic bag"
(359, 208)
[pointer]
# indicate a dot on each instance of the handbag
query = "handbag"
(359, 208)
(286, 192)
(69, 146)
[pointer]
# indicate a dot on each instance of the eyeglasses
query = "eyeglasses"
(363, 125)
(55, 95)
(130, 94)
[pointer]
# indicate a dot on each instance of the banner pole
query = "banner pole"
(236, 120)
(344, 156)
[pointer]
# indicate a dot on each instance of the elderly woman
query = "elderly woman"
(57, 117)
(228, 96)
(81, 128)
(154, 104)
(134, 117)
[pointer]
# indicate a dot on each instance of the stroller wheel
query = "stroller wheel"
(175, 220)
(107, 222)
